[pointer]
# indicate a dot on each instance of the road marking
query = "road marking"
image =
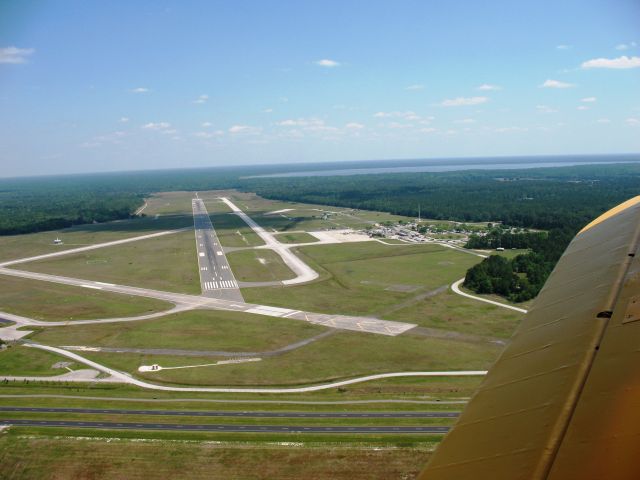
(201, 254)
(91, 286)
(219, 253)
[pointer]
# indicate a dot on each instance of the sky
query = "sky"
(88, 86)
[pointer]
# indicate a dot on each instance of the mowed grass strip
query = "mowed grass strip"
(366, 278)
(450, 311)
(167, 263)
(296, 237)
(13, 247)
(56, 302)
(340, 356)
(258, 265)
(19, 361)
(40, 457)
(232, 231)
(192, 330)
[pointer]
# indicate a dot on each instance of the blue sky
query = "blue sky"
(99, 86)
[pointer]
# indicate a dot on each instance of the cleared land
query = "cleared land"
(41, 457)
(166, 263)
(233, 232)
(259, 265)
(342, 355)
(193, 330)
(366, 278)
(449, 311)
(56, 302)
(21, 246)
(296, 237)
(24, 361)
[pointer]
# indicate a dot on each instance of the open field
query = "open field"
(366, 278)
(258, 265)
(342, 355)
(449, 311)
(16, 360)
(56, 302)
(25, 456)
(21, 246)
(193, 330)
(296, 237)
(233, 232)
(166, 263)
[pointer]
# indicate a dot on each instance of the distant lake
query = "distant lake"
(472, 164)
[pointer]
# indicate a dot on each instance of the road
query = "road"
(304, 273)
(216, 277)
(219, 413)
(223, 428)
(456, 289)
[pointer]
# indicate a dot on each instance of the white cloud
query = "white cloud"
(202, 99)
(556, 84)
(217, 133)
(428, 130)
(123, 119)
(589, 99)
(301, 122)
(488, 87)
(267, 110)
(408, 115)
(140, 90)
(617, 63)
(415, 87)
(626, 46)
(235, 129)
(563, 47)
(582, 107)
(325, 62)
(354, 126)
(603, 120)
(465, 121)
(633, 122)
(510, 129)
(545, 109)
(15, 55)
(464, 101)
(156, 126)
(206, 124)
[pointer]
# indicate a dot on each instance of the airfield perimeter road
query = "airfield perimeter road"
(218, 413)
(222, 428)
(216, 277)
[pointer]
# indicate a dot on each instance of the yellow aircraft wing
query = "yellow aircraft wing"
(563, 400)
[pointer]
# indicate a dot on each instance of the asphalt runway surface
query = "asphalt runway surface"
(221, 413)
(216, 277)
(223, 428)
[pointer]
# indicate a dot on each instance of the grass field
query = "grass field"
(25, 361)
(233, 232)
(342, 355)
(296, 237)
(40, 457)
(450, 311)
(366, 278)
(258, 265)
(21, 246)
(56, 302)
(166, 263)
(193, 330)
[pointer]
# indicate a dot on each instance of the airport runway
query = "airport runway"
(224, 428)
(216, 277)
(218, 413)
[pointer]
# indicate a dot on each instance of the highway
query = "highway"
(223, 413)
(216, 277)
(223, 428)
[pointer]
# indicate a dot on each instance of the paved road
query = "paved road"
(216, 277)
(456, 289)
(218, 413)
(71, 251)
(345, 322)
(223, 428)
(304, 273)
